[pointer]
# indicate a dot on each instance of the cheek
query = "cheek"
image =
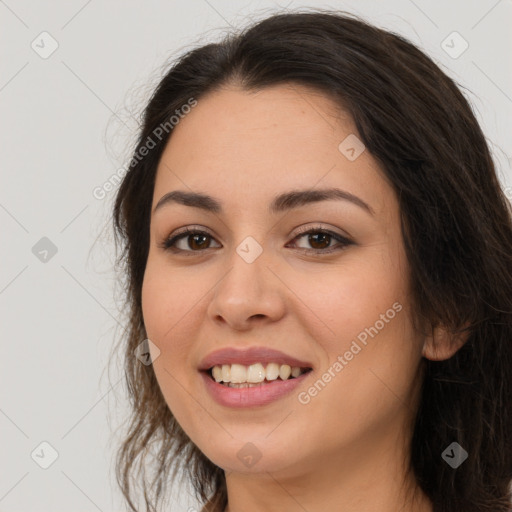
(155, 304)
(371, 354)
(162, 313)
(166, 300)
(165, 316)
(344, 300)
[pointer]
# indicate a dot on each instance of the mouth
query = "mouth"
(252, 376)
(255, 375)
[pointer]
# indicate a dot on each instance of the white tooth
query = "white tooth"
(217, 373)
(238, 373)
(226, 372)
(284, 371)
(295, 371)
(272, 371)
(256, 373)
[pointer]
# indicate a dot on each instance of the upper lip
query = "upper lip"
(250, 356)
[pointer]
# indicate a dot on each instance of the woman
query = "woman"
(319, 263)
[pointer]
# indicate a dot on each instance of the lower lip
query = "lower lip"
(249, 397)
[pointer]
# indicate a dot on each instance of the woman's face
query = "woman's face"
(256, 281)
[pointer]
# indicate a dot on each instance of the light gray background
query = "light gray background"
(67, 122)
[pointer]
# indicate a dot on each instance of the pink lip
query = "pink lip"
(250, 356)
(249, 397)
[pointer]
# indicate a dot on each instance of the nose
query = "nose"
(248, 294)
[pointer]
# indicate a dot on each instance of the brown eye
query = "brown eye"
(320, 241)
(193, 241)
(198, 241)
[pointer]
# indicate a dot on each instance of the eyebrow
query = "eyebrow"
(281, 203)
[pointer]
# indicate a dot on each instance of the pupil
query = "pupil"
(318, 235)
(194, 238)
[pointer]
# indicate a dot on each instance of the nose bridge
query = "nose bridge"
(248, 288)
(247, 268)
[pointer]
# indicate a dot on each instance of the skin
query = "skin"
(349, 444)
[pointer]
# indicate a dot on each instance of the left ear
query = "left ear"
(443, 343)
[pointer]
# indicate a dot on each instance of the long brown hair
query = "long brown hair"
(456, 225)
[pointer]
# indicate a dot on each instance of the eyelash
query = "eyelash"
(168, 244)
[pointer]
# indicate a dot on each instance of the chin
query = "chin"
(253, 455)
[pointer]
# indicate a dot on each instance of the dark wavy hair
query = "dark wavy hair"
(456, 225)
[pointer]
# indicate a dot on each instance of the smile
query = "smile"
(252, 394)
(242, 376)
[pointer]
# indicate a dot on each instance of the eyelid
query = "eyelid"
(320, 227)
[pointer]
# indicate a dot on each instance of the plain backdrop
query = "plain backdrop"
(74, 79)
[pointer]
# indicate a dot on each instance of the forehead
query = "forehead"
(249, 145)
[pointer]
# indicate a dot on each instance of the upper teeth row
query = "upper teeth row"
(239, 373)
